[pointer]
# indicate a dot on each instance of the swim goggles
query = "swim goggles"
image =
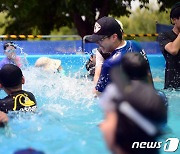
(11, 50)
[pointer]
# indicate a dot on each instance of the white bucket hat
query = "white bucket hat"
(48, 64)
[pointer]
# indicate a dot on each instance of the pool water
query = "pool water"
(68, 114)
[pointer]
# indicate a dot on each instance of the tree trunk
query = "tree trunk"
(82, 27)
(104, 11)
(86, 27)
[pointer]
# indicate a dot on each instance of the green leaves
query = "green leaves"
(41, 17)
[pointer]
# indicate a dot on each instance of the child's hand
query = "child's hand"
(3, 117)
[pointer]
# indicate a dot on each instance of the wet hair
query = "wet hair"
(7, 44)
(147, 103)
(175, 11)
(120, 36)
(127, 133)
(10, 76)
(135, 66)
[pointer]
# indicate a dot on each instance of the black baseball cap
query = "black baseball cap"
(105, 26)
(175, 11)
(10, 75)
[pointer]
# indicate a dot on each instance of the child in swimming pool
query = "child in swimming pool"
(134, 111)
(11, 57)
(50, 65)
(11, 80)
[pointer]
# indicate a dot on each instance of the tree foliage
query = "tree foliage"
(143, 21)
(41, 17)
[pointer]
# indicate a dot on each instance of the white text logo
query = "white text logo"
(170, 145)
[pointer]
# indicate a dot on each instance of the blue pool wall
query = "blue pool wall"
(149, 47)
(60, 49)
(75, 61)
(71, 47)
(47, 47)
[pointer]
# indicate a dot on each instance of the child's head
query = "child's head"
(175, 13)
(49, 64)
(141, 115)
(138, 116)
(90, 65)
(135, 66)
(9, 48)
(11, 77)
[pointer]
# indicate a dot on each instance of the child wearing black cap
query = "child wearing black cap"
(11, 80)
(170, 46)
(138, 116)
(11, 57)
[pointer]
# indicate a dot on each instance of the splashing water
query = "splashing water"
(67, 116)
(66, 110)
(54, 86)
(23, 55)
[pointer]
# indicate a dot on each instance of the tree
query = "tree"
(41, 17)
(143, 21)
